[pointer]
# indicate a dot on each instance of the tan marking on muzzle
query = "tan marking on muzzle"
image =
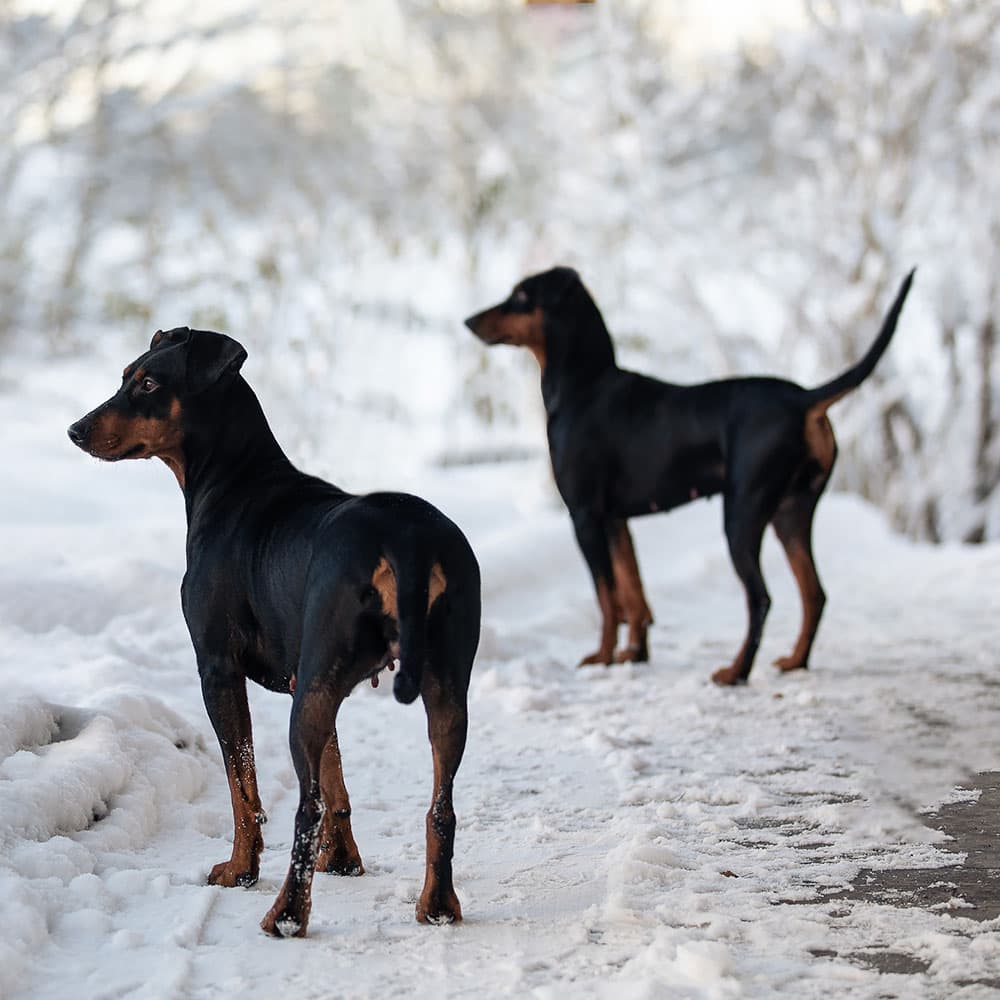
(113, 435)
(519, 329)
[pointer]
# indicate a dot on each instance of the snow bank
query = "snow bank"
(78, 785)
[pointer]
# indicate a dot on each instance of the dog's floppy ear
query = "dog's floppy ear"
(178, 335)
(212, 358)
(565, 280)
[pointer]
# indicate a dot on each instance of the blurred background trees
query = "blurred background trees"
(339, 188)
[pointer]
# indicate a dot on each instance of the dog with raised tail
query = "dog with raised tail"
(624, 445)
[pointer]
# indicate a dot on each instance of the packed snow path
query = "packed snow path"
(625, 832)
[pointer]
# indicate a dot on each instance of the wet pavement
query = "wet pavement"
(970, 889)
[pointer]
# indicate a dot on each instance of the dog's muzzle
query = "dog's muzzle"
(79, 432)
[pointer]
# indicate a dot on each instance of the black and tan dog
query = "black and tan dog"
(624, 445)
(301, 587)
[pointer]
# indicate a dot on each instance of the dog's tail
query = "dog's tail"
(417, 595)
(825, 396)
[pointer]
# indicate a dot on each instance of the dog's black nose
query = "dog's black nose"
(471, 322)
(77, 433)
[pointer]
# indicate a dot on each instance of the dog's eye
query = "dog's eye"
(148, 385)
(520, 297)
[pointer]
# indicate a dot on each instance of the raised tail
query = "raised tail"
(416, 595)
(826, 395)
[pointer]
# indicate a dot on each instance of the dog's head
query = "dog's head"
(555, 317)
(145, 418)
(521, 318)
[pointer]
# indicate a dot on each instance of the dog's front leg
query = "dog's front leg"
(592, 537)
(628, 588)
(225, 693)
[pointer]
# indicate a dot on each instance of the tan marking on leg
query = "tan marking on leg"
(813, 601)
(248, 841)
(314, 721)
(628, 589)
(384, 581)
(733, 674)
(793, 525)
(446, 727)
(609, 627)
(338, 851)
(820, 442)
(437, 586)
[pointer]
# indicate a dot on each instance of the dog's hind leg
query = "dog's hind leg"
(314, 717)
(453, 635)
(628, 588)
(793, 526)
(447, 725)
(745, 518)
(338, 853)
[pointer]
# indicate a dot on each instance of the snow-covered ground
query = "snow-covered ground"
(632, 832)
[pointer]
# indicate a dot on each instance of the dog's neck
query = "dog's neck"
(578, 349)
(230, 445)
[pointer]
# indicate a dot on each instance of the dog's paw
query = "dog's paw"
(230, 876)
(602, 656)
(728, 677)
(632, 654)
(443, 908)
(339, 864)
(281, 924)
(787, 663)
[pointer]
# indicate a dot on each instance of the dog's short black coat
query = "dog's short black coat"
(301, 587)
(623, 445)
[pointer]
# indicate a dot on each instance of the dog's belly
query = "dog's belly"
(267, 675)
(674, 485)
(264, 654)
(676, 496)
